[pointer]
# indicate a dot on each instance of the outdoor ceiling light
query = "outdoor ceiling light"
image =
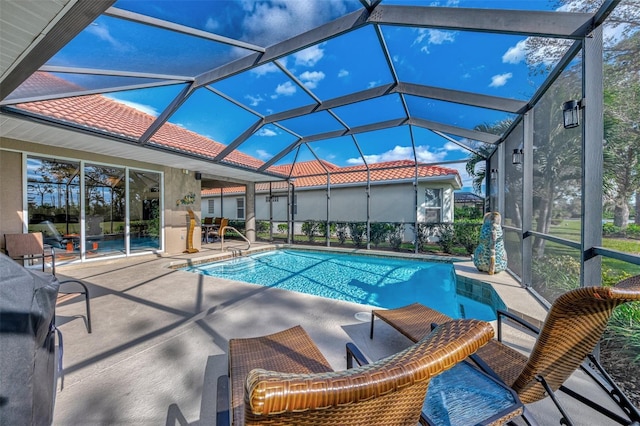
(571, 113)
(516, 157)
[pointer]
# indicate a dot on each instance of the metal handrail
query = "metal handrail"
(222, 231)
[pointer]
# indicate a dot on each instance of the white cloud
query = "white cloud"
(285, 89)
(428, 37)
(402, 153)
(500, 80)
(343, 73)
(147, 109)
(311, 78)
(310, 56)
(275, 20)
(211, 25)
(254, 100)
(267, 68)
(516, 53)
(372, 84)
(450, 146)
(266, 132)
(262, 154)
(102, 32)
(440, 37)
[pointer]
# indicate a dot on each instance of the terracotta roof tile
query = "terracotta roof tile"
(100, 112)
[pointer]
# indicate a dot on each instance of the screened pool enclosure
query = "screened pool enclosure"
(336, 113)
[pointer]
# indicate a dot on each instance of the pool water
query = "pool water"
(377, 281)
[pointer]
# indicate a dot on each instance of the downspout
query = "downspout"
(415, 192)
(327, 231)
(270, 213)
(292, 221)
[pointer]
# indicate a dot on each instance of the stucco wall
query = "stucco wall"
(176, 219)
(10, 194)
(388, 203)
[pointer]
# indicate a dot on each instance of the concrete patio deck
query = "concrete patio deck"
(157, 354)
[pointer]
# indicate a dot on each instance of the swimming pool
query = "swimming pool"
(377, 281)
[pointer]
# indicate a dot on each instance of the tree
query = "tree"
(622, 128)
(476, 164)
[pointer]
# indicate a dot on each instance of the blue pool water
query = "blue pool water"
(377, 281)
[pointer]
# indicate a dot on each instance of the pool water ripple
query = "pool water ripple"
(376, 281)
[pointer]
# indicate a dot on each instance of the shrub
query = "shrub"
(555, 275)
(396, 235)
(310, 229)
(446, 237)
(624, 328)
(322, 229)
(467, 234)
(341, 232)
(610, 230)
(467, 213)
(283, 228)
(357, 230)
(379, 232)
(262, 226)
(423, 233)
(633, 231)
(238, 224)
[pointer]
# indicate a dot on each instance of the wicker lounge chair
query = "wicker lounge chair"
(302, 388)
(573, 327)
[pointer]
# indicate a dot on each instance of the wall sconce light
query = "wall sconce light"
(571, 113)
(185, 171)
(517, 156)
(494, 174)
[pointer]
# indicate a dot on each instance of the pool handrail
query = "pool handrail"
(222, 231)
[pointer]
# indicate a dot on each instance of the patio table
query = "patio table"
(464, 395)
(207, 230)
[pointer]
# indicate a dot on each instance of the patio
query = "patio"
(157, 354)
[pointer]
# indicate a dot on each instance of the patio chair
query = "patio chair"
(573, 327)
(220, 223)
(30, 248)
(283, 378)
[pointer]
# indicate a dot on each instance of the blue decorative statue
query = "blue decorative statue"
(490, 255)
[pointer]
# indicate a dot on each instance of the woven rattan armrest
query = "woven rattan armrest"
(390, 391)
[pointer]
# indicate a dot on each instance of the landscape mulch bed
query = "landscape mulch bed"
(618, 362)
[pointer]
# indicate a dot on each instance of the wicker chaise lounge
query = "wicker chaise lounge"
(573, 327)
(303, 389)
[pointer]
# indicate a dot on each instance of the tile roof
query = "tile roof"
(102, 113)
(401, 170)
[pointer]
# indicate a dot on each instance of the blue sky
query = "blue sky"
(477, 62)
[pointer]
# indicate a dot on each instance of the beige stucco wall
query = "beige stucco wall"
(176, 186)
(10, 194)
(176, 219)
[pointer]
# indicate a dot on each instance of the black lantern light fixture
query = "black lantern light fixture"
(571, 113)
(516, 157)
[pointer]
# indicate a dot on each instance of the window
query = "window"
(240, 208)
(210, 205)
(433, 205)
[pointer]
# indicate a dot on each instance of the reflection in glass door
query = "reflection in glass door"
(144, 210)
(104, 210)
(53, 204)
